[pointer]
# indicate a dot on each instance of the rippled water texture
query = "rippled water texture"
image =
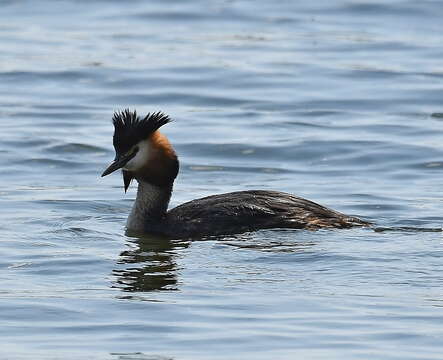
(336, 101)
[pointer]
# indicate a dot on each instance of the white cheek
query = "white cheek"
(139, 160)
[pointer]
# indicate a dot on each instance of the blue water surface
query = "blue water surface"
(336, 101)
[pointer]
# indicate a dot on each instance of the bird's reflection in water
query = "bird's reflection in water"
(149, 264)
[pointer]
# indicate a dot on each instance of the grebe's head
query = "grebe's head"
(141, 151)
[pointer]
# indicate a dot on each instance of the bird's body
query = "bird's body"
(150, 159)
(250, 210)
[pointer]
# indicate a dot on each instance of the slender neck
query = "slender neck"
(150, 205)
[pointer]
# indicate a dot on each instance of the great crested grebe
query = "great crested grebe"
(145, 154)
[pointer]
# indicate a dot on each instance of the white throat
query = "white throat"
(150, 206)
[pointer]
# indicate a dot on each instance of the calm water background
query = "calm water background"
(337, 101)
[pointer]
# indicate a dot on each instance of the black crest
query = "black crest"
(129, 128)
